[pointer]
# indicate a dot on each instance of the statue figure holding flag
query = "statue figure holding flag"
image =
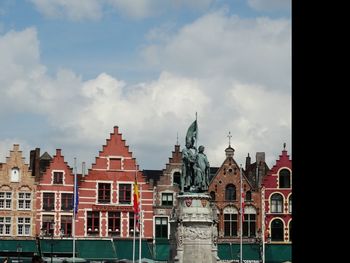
(195, 166)
(189, 158)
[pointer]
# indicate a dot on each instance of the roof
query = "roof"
(152, 174)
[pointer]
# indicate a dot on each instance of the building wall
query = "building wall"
(26, 185)
(271, 186)
(47, 185)
(166, 185)
(115, 165)
(229, 173)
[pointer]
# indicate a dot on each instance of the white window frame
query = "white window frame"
(5, 224)
(6, 198)
(25, 225)
(25, 200)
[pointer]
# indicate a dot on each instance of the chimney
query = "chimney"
(58, 152)
(260, 163)
(83, 169)
(247, 162)
(34, 163)
(260, 158)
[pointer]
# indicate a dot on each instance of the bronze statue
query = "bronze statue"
(201, 169)
(195, 166)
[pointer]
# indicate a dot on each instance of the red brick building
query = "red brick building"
(55, 198)
(225, 190)
(277, 194)
(106, 194)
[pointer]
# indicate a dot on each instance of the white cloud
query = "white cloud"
(270, 5)
(221, 46)
(149, 115)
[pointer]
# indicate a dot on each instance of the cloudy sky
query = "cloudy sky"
(71, 70)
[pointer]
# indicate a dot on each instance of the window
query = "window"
(5, 226)
(104, 193)
(66, 201)
(114, 223)
(276, 203)
(290, 204)
(48, 201)
(290, 231)
(212, 195)
(66, 225)
(58, 177)
(5, 200)
(125, 193)
(48, 225)
(230, 193)
(15, 174)
(249, 223)
(93, 222)
(277, 230)
(177, 178)
(284, 178)
(24, 201)
(161, 227)
(230, 221)
(167, 199)
(248, 196)
(23, 226)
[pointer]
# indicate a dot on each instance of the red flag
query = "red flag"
(242, 206)
(136, 203)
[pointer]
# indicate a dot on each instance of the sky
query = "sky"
(71, 70)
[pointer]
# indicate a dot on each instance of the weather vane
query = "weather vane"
(229, 138)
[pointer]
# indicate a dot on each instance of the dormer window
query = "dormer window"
(15, 175)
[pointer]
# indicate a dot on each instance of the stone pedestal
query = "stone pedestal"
(194, 230)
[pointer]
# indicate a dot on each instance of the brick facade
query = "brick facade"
(278, 202)
(17, 198)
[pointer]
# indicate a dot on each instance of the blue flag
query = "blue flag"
(76, 195)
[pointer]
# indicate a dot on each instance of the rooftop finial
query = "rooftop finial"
(177, 138)
(284, 146)
(229, 138)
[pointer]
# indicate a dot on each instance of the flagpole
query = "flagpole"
(196, 131)
(241, 219)
(263, 223)
(134, 238)
(140, 223)
(75, 205)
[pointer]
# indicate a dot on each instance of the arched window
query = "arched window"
(276, 203)
(212, 194)
(248, 196)
(249, 223)
(284, 178)
(290, 230)
(290, 204)
(177, 178)
(230, 193)
(277, 230)
(230, 221)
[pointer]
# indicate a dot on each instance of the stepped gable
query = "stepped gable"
(115, 148)
(283, 161)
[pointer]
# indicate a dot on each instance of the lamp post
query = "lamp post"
(52, 231)
(19, 250)
(259, 241)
